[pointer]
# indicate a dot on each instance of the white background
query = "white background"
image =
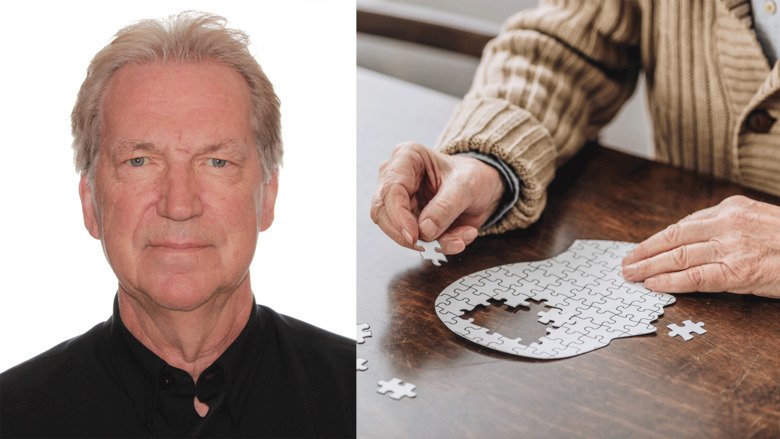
(54, 281)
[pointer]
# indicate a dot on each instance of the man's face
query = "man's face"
(178, 196)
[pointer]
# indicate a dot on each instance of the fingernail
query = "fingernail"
(457, 247)
(629, 271)
(407, 236)
(429, 228)
(470, 234)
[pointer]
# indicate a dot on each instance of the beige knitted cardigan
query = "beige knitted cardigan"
(558, 73)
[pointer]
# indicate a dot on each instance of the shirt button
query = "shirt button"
(166, 380)
(770, 7)
(759, 121)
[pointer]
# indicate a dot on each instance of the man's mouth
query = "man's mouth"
(178, 245)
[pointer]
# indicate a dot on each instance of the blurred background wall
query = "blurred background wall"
(450, 72)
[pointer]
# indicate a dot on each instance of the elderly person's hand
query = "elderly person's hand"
(734, 247)
(429, 195)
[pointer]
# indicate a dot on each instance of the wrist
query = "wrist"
(500, 189)
(494, 186)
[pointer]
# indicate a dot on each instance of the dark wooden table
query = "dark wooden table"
(725, 383)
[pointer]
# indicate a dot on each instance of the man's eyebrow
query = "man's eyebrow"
(129, 145)
(228, 146)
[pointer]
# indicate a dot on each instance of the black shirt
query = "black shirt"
(280, 378)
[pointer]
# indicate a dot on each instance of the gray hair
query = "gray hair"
(189, 37)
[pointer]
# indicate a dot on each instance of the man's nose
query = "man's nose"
(179, 198)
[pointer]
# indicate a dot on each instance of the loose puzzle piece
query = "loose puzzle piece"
(590, 302)
(686, 330)
(397, 388)
(361, 364)
(363, 332)
(430, 254)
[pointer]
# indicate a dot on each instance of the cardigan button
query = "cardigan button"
(770, 7)
(759, 121)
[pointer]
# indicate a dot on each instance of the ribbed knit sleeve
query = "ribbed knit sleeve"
(550, 81)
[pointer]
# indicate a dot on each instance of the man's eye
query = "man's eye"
(217, 163)
(137, 162)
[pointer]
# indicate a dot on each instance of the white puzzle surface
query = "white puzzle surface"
(590, 302)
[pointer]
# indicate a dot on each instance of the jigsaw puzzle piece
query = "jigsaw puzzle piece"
(523, 350)
(517, 299)
(592, 273)
(491, 287)
(630, 327)
(634, 314)
(396, 388)
(556, 316)
(470, 289)
(454, 305)
(572, 258)
(429, 252)
(605, 333)
(651, 302)
(465, 284)
(469, 285)
(561, 314)
(548, 347)
(463, 327)
(625, 293)
(362, 332)
(615, 253)
(574, 328)
(686, 330)
(511, 288)
(613, 277)
(555, 294)
(538, 275)
(587, 343)
(595, 313)
(487, 338)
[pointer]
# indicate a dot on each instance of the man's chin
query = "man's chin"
(179, 295)
(184, 301)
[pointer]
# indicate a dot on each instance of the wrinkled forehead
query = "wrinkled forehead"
(192, 84)
(173, 103)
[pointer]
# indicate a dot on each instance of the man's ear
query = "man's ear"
(88, 207)
(269, 201)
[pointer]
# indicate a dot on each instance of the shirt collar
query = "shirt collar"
(143, 375)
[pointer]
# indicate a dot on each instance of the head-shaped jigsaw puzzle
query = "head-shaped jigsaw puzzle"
(591, 304)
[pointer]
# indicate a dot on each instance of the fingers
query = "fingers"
(708, 278)
(398, 211)
(678, 234)
(444, 187)
(455, 240)
(392, 213)
(393, 205)
(722, 248)
(678, 259)
(733, 202)
(441, 211)
(703, 214)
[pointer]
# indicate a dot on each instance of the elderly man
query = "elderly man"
(177, 139)
(554, 77)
